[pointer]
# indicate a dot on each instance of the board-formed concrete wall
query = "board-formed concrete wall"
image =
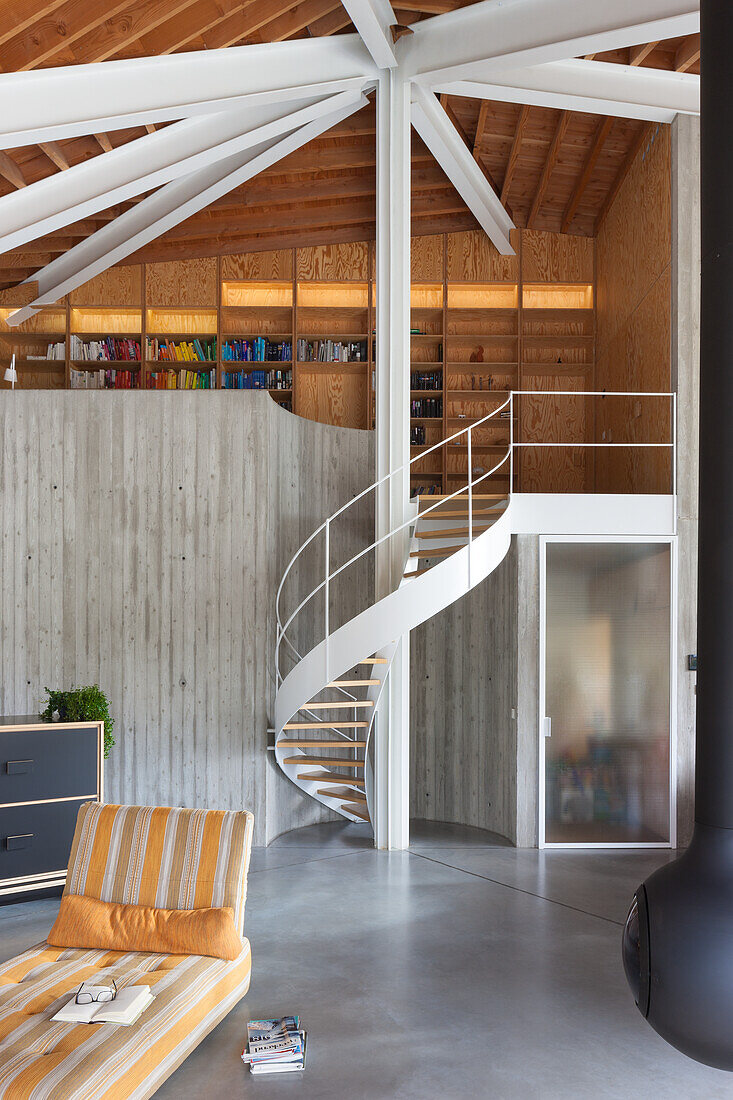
(142, 538)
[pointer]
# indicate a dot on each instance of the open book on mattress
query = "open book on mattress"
(130, 1002)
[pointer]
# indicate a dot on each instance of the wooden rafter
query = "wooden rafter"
(639, 54)
(103, 142)
(511, 166)
(10, 170)
(447, 107)
(688, 53)
(55, 154)
(552, 156)
(602, 131)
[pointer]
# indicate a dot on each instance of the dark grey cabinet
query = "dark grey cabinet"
(47, 770)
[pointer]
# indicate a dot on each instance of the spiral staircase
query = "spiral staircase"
(327, 700)
(326, 705)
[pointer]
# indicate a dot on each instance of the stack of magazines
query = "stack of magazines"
(275, 1046)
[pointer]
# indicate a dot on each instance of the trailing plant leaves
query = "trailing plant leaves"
(85, 704)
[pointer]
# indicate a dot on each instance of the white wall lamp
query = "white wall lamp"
(11, 374)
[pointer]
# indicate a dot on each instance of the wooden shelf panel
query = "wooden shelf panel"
(256, 294)
(557, 295)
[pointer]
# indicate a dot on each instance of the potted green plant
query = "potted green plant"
(84, 704)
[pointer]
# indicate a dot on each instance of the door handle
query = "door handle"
(13, 843)
(18, 767)
(547, 727)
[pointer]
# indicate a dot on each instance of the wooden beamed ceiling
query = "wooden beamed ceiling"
(554, 170)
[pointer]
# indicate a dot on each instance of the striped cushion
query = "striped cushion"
(41, 1060)
(167, 858)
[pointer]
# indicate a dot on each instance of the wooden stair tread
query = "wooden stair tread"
(330, 777)
(357, 811)
(352, 683)
(336, 724)
(321, 743)
(436, 552)
(453, 532)
(459, 496)
(342, 704)
(373, 661)
(417, 573)
(345, 795)
(323, 760)
(460, 514)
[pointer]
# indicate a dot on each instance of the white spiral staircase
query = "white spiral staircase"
(326, 702)
(325, 706)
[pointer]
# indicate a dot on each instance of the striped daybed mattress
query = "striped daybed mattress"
(169, 858)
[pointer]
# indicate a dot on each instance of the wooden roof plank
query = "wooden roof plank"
(602, 132)
(514, 152)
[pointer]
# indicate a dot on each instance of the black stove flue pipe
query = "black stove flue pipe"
(678, 940)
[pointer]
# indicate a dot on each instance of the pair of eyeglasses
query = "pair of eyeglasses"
(84, 997)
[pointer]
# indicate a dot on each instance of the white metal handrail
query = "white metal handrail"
(469, 486)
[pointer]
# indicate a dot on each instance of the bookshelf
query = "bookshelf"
(39, 346)
(300, 322)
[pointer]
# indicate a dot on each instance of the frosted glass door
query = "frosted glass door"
(607, 693)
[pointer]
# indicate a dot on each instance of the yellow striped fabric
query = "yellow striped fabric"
(139, 855)
(42, 1060)
(164, 857)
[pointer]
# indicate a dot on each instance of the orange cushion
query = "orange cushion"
(108, 926)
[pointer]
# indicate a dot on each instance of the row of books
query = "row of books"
(426, 380)
(275, 1046)
(258, 380)
(182, 380)
(109, 349)
(104, 379)
(53, 351)
(257, 350)
(427, 407)
(183, 351)
(417, 435)
(425, 490)
(332, 351)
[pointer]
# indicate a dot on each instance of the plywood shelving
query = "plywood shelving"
(482, 324)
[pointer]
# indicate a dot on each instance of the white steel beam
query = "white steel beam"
(142, 165)
(440, 135)
(373, 19)
(169, 206)
(392, 723)
(531, 32)
(592, 86)
(63, 102)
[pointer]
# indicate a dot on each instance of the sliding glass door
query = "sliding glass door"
(606, 693)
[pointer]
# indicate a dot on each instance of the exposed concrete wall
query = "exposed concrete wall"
(143, 536)
(686, 381)
(463, 692)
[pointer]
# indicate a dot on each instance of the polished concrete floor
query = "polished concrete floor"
(462, 968)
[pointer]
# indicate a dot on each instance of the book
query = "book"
(130, 1002)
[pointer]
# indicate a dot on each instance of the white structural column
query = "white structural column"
(392, 747)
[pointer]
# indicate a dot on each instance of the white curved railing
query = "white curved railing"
(372, 630)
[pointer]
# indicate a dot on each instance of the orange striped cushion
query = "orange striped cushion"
(110, 926)
(162, 857)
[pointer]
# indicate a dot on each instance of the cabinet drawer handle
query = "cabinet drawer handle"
(22, 840)
(18, 767)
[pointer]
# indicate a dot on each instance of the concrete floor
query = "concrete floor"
(462, 968)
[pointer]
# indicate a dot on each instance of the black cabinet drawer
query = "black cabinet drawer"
(36, 839)
(48, 763)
